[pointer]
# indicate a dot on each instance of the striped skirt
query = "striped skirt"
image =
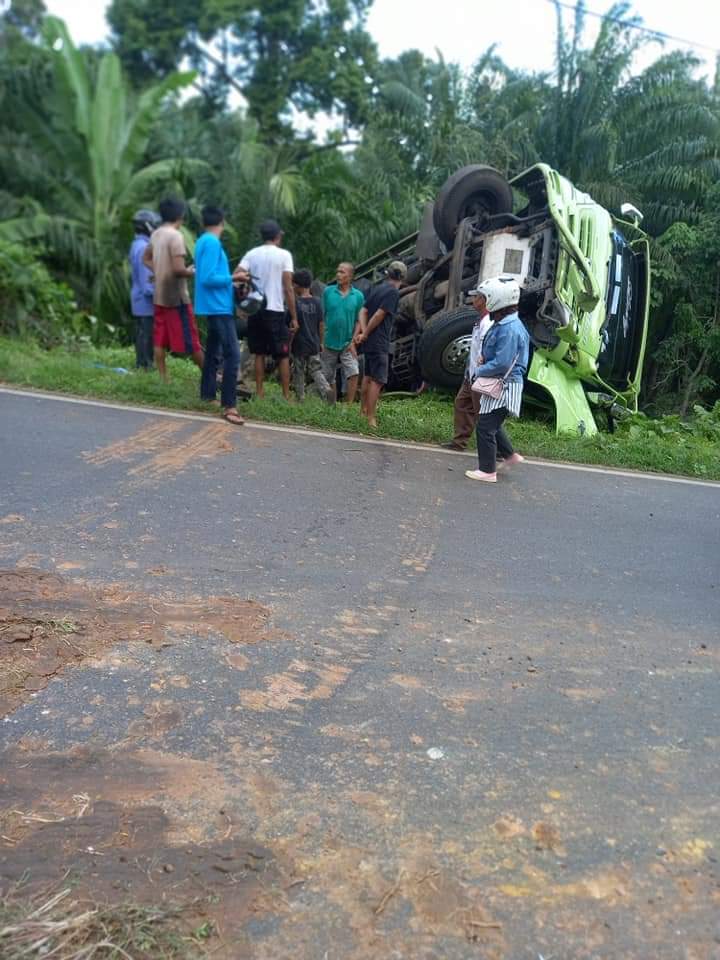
(511, 399)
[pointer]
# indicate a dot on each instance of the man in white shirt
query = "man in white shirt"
(467, 403)
(269, 334)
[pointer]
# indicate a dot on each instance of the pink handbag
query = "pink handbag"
(492, 386)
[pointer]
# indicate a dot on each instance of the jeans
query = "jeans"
(492, 439)
(221, 339)
(143, 342)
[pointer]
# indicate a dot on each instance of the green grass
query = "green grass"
(426, 419)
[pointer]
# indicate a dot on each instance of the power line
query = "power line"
(658, 34)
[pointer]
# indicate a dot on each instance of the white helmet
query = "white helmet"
(499, 292)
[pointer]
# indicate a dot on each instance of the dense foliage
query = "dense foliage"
(290, 111)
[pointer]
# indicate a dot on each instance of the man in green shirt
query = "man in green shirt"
(341, 305)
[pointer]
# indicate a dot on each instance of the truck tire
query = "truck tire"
(444, 346)
(470, 190)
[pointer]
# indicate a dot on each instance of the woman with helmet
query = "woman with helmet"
(506, 350)
(141, 288)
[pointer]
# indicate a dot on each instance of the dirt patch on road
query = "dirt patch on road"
(117, 827)
(48, 623)
(169, 452)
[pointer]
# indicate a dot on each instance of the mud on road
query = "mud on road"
(49, 623)
(348, 843)
(142, 825)
(99, 819)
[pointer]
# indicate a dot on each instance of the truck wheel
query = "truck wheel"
(469, 191)
(444, 347)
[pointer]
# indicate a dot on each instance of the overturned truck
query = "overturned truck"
(584, 277)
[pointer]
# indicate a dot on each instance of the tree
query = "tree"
(327, 206)
(685, 330)
(280, 55)
(88, 135)
(651, 139)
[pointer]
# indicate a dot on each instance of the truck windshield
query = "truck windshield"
(622, 331)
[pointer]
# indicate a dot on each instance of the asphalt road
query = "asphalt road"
(485, 722)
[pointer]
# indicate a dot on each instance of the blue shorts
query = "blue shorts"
(377, 366)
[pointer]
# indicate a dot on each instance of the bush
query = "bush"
(702, 424)
(33, 304)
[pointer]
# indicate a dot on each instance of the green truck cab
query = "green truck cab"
(584, 277)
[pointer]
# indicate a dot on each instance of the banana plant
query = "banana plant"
(93, 131)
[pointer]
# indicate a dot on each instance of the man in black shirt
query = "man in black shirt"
(375, 324)
(307, 340)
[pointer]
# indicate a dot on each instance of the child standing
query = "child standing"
(307, 341)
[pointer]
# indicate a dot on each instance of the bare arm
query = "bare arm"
(288, 290)
(375, 321)
(361, 323)
(147, 257)
(179, 268)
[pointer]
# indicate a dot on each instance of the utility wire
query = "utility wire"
(658, 34)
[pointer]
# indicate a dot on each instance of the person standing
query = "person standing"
(306, 342)
(271, 268)
(374, 334)
(506, 352)
(467, 402)
(174, 326)
(214, 299)
(342, 304)
(142, 288)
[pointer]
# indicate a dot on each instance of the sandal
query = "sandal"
(232, 416)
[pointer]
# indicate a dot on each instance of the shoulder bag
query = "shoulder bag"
(492, 386)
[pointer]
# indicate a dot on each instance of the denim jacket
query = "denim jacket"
(502, 342)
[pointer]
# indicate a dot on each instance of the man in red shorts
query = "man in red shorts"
(174, 326)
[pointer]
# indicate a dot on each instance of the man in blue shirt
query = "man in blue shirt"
(141, 288)
(214, 300)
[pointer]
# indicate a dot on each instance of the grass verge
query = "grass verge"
(92, 372)
(63, 927)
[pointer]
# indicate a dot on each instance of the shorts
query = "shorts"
(377, 366)
(269, 334)
(346, 358)
(174, 329)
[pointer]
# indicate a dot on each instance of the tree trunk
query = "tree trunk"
(692, 380)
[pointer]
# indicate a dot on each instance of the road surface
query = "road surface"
(473, 722)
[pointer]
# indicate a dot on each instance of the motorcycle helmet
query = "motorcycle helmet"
(248, 299)
(499, 292)
(145, 221)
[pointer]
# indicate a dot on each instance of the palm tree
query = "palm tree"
(88, 133)
(652, 139)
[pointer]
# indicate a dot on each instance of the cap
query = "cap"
(397, 270)
(269, 229)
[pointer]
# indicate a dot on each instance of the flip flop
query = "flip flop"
(232, 416)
